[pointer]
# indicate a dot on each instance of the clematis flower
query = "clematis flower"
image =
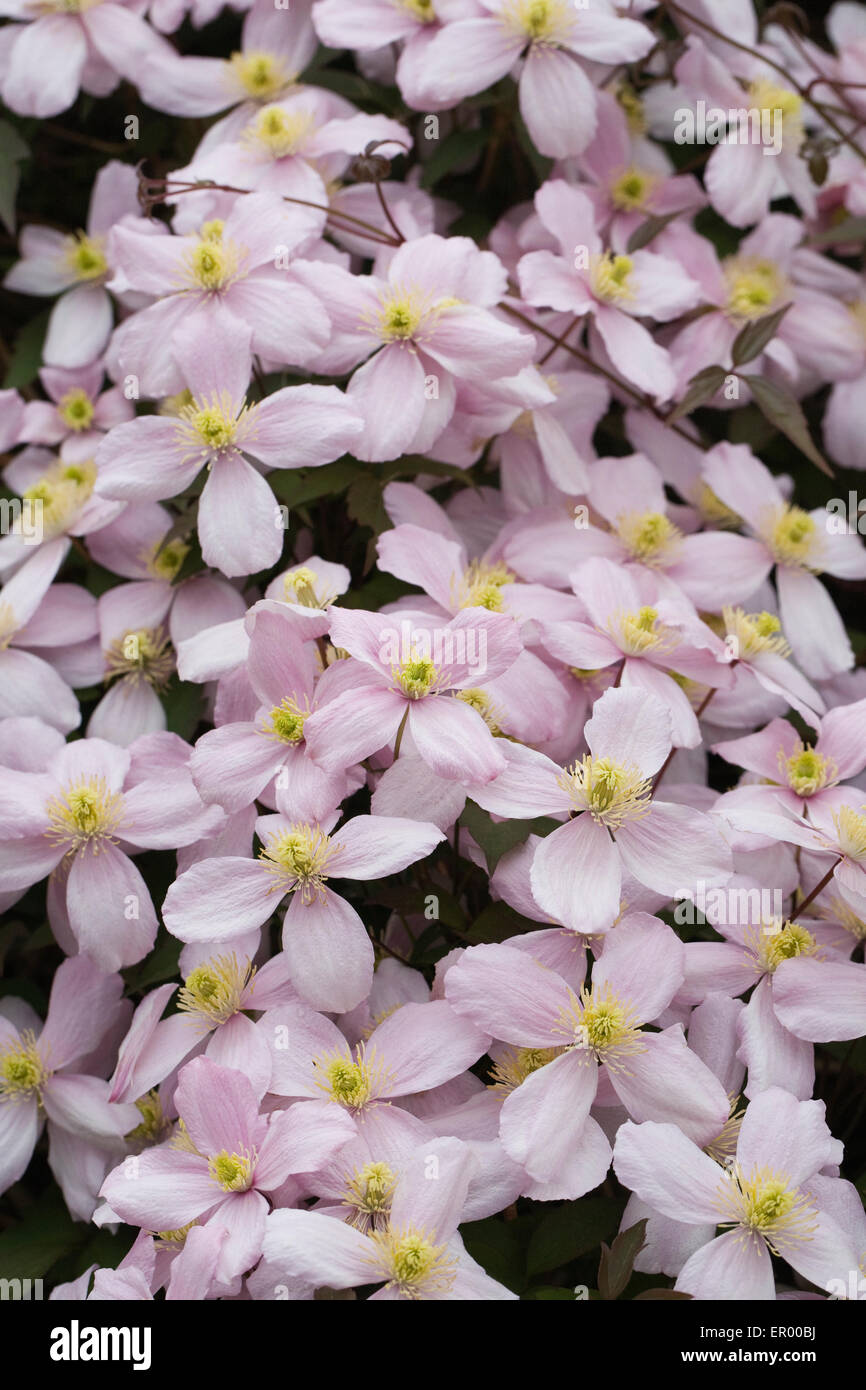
(615, 826)
(70, 821)
(52, 262)
(329, 952)
(580, 277)
(57, 500)
(226, 282)
(49, 1073)
(79, 414)
(215, 431)
(771, 1197)
(557, 98)
(558, 1038)
(402, 679)
(429, 324)
(227, 1158)
(418, 1255)
(801, 547)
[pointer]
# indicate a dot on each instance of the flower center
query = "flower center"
(778, 104)
(755, 632)
(261, 74)
(791, 536)
(347, 1081)
(604, 1025)
(481, 702)
(633, 108)
(85, 256)
(76, 409)
(806, 771)
(214, 991)
(155, 1125)
(776, 941)
(417, 1264)
(369, 1192)
(23, 1072)
(209, 425)
(84, 814)
(767, 1204)
(299, 586)
(640, 632)
(286, 722)
(233, 1172)
(165, 561)
(851, 829)
(481, 586)
(143, 655)
(421, 9)
(611, 792)
(631, 189)
(298, 858)
(416, 678)
(60, 494)
(212, 263)
(649, 537)
(280, 132)
(755, 286)
(609, 276)
(516, 1063)
(714, 510)
(539, 20)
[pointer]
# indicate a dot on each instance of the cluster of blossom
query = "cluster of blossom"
(572, 637)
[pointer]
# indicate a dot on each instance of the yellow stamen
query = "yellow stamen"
(214, 992)
(611, 792)
(649, 537)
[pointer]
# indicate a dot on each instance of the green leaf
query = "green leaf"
(497, 922)
(183, 706)
(701, 388)
(783, 410)
(648, 230)
(45, 1235)
(159, 966)
(570, 1230)
(12, 151)
(754, 337)
(617, 1261)
(548, 1293)
(459, 147)
(298, 486)
(497, 1248)
(365, 505)
(27, 352)
(496, 839)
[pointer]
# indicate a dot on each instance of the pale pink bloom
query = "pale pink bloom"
(632, 177)
(38, 616)
(545, 1122)
(836, 827)
(615, 826)
(237, 762)
(63, 49)
(740, 178)
(557, 98)
(53, 262)
(52, 1073)
(801, 545)
(581, 277)
(428, 324)
(637, 627)
(783, 1146)
(225, 285)
(276, 46)
(329, 952)
(419, 1254)
(79, 412)
(157, 456)
(71, 821)
(408, 672)
(823, 1001)
(420, 1047)
(233, 1155)
(558, 433)
(185, 1268)
(818, 335)
(57, 500)
(11, 417)
(794, 774)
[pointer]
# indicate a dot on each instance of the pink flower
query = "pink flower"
(47, 1073)
(329, 952)
(614, 824)
(157, 456)
(70, 822)
(80, 412)
(557, 98)
(417, 1255)
(429, 324)
(773, 1197)
(409, 674)
(52, 262)
(582, 278)
(231, 1155)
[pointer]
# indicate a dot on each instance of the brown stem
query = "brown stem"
(819, 888)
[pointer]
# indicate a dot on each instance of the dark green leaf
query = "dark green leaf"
(701, 388)
(27, 352)
(783, 410)
(656, 1294)
(754, 337)
(459, 147)
(497, 838)
(648, 230)
(617, 1260)
(571, 1230)
(45, 1235)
